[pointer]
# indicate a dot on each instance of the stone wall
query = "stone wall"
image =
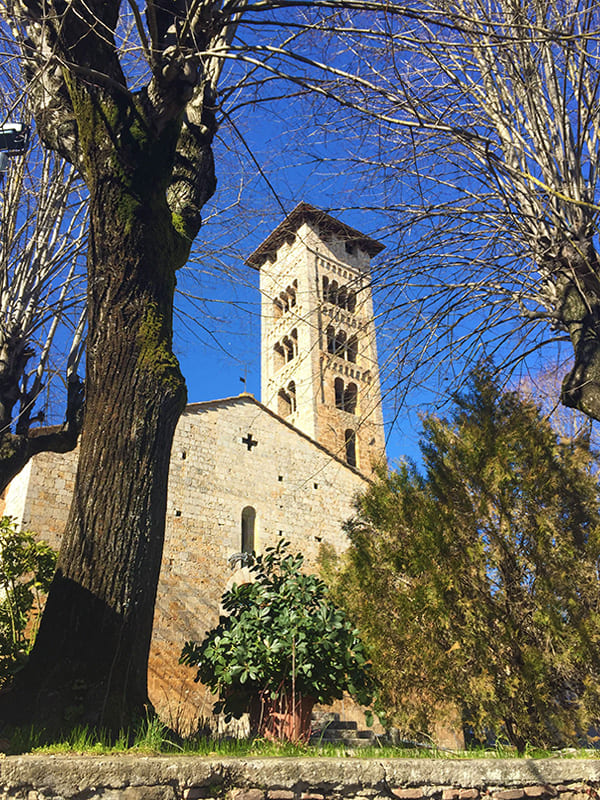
(193, 778)
(298, 490)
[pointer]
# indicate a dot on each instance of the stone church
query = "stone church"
(246, 473)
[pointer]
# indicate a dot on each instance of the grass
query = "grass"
(153, 738)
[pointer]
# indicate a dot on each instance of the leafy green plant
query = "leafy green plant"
(26, 569)
(281, 637)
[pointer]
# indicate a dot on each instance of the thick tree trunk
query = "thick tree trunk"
(578, 290)
(90, 658)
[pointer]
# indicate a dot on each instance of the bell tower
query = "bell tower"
(319, 354)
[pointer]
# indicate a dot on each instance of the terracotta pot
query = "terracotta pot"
(282, 720)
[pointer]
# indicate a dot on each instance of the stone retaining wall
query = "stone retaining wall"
(193, 778)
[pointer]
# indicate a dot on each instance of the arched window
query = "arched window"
(352, 349)
(350, 443)
(248, 519)
(331, 339)
(288, 346)
(342, 296)
(277, 308)
(351, 301)
(350, 397)
(279, 356)
(333, 292)
(325, 289)
(284, 404)
(340, 344)
(291, 391)
(291, 293)
(338, 385)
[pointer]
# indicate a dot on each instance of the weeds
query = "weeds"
(154, 738)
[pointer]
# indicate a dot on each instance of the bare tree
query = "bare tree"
(42, 233)
(481, 134)
(128, 94)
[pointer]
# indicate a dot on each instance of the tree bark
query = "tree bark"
(578, 308)
(90, 658)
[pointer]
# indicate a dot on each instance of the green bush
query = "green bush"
(26, 570)
(282, 636)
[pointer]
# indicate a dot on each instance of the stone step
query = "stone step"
(331, 734)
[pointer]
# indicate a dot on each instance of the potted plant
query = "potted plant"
(281, 647)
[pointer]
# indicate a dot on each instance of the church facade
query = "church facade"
(245, 474)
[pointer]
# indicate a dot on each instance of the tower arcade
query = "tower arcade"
(319, 355)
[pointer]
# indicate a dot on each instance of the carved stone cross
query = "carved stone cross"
(249, 441)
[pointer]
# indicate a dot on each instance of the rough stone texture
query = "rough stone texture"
(190, 778)
(302, 262)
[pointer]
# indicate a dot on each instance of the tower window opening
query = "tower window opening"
(288, 348)
(325, 289)
(350, 444)
(338, 386)
(350, 398)
(248, 520)
(291, 391)
(352, 349)
(333, 293)
(351, 301)
(342, 297)
(279, 356)
(291, 293)
(340, 344)
(331, 339)
(350, 248)
(277, 308)
(284, 403)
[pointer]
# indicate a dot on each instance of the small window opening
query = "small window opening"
(351, 301)
(284, 404)
(339, 393)
(316, 485)
(278, 355)
(333, 292)
(350, 442)
(280, 478)
(325, 289)
(288, 346)
(292, 395)
(183, 455)
(331, 339)
(248, 519)
(352, 349)
(350, 397)
(340, 344)
(177, 512)
(342, 297)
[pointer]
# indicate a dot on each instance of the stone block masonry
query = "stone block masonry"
(195, 778)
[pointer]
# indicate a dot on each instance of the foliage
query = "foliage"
(281, 635)
(26, 569)
(481, 576)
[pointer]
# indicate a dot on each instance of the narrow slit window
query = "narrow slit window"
(352, 349)
(350, 443)
(339, 393)
(350, 398)
(248, 520)
(331, 339)
(291, 391)
(284, 405)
